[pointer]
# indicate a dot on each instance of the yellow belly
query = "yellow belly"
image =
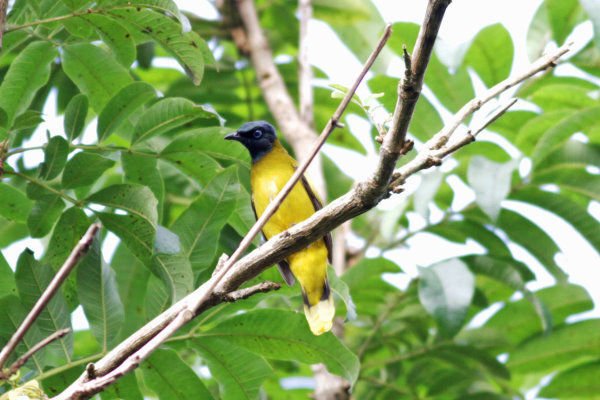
(268, 176)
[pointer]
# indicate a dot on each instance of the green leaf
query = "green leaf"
(69, 229)
(84, 169)
(518, 320)
(562, 97)
(580, 382)
(539, 33)
(126, 387)
(29, 71)
(115, 35)
(189, 49)
(531, 131)
(580, 121)
(137, 229)
(95, 72)
(573, 155)
(537, 242)
(11, 231)
(121, 106)
(340, 288)
(14, 205)
(32, 279)
(98, 294)
(55, 157)
(12, 313)
(563, 347)
(202, 153)
(7, 283)
(291, 340)
(460, 231)
(200, 225)
(491, 54)
(132, 281)
(133, 230)
(446, 290)
(135, 199)
(144, 171)
(166, 115)
(506, 270)
(453, 90)
(576, 180)
(565, 208)
(491, 182)
(175, 271)
(563, 15)
(44, 214)
(29, 119)
(240, 373)
(170, 378)
(75, 114)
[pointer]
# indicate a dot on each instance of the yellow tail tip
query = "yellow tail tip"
(320, 316)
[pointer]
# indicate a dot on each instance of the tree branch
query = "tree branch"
(62, 274)
(364, 196)
(34, 349)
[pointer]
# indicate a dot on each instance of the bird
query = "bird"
(271, 168)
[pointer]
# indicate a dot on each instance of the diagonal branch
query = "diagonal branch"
(34, 349)
(50, 291)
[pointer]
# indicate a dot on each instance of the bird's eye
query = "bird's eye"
(257, 134)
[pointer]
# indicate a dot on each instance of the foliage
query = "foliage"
(158, 175)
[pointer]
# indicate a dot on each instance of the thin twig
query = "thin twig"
(34, 349)
(242, 294)
(62, 274)
(542, 64)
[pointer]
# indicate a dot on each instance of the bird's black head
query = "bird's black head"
(257, 136)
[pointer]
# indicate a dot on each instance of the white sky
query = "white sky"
(463, 20)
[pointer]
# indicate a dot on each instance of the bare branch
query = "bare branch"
(409, 91)
(543, 63)
(242, 294)
(62, 274)
(34, 349)
(434, 148)
(304, 70)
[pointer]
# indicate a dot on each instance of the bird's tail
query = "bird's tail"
(320, 315)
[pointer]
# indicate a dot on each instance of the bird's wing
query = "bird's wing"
(316, 202)
(283, 265)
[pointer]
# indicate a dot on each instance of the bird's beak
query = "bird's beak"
(232, 136)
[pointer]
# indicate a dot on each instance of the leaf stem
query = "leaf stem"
(37, 182)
